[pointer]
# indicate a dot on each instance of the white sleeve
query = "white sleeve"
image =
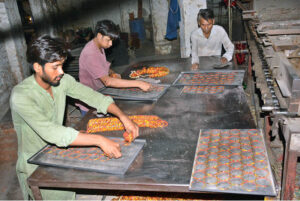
(228, 46)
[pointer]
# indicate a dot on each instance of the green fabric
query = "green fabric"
(38, 121)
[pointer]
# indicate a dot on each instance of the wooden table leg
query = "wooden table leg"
(36, 192)
(267, 130)
(289, 174)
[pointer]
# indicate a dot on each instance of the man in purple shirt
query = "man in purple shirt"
(94, 69)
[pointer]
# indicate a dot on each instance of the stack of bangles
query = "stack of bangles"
(150, 72)
(114, 124)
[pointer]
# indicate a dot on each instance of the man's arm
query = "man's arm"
(130, 127)
(102, 103)
(121, 83)
(109, 147)
(28, 110)
(228, 46)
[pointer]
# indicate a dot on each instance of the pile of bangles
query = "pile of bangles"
(203, 89)
(148, 198)
(215, 78)
(114, 124)
(150, 72)
(91, 154)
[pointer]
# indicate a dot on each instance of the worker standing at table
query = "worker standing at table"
(38, 106)
(209, 38)
(94, 69)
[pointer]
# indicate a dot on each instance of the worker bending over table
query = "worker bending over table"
(94, 69)
(38, 107)
(209, 38)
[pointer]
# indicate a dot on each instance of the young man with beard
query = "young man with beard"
(94, 69)
(209, 38)
(38, 106)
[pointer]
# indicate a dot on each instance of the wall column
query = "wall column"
(13, 65)
(45, 16)
(160, 10)
(189, 11)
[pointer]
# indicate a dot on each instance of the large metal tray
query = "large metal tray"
(232, 161)
(89, 158)
(216, 78)
(136, 94)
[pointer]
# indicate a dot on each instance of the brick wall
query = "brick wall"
(8, 143)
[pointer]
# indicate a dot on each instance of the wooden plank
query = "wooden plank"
(278, 48)
(282, 31)
(240, 5)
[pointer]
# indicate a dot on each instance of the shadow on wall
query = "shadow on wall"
(89, 8)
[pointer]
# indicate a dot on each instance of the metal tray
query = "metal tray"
(212, 77)
(232, 161)
(89, 158)
(136, 93)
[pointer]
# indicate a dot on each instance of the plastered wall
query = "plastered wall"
(13, 65)
(86, 13)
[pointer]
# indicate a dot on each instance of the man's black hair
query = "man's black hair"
(107, 28)
(205, 14)
(45, 49)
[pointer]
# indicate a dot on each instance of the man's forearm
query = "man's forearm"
(115, 110)
(129, 125)
(229, 48)
(109, 147)
(84, 139)
(120, 83)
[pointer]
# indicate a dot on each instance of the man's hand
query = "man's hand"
(110, 148)
(224, 60)
(130, 126)
(195, 66)
(145, 86)
(115, 75)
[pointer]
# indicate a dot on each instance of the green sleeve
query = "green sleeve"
(87, 95)
(27, 108)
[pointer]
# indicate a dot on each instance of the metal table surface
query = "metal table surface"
(165, 163)
(176, 66)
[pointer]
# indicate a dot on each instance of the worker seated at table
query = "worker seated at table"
(38, 106)
(209, 38)
(94, 69)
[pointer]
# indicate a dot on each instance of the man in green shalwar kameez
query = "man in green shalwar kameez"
(38, 106)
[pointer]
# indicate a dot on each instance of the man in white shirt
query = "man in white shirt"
(209, 38)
